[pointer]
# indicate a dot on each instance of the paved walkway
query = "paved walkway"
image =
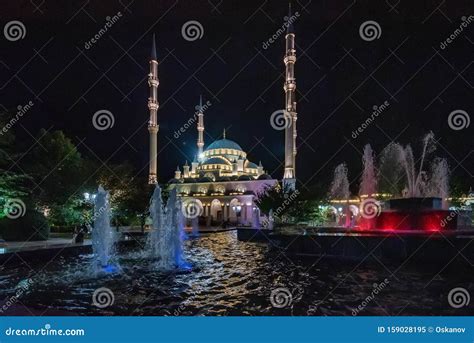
(9, 247)
(62, 242)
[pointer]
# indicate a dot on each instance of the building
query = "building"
(221, 183)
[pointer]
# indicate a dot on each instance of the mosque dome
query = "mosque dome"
(245, 178)
(174, 181)
(251, 165)
(224, 144)
(264, 177)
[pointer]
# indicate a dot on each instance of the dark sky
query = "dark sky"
(340, 77)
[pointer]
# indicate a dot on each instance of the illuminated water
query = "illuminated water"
(230, 277)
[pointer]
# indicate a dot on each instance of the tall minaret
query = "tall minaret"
(289, 176)
(153, 107)
(200, 128)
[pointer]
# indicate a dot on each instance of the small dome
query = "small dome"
(264, 177)
(245, 178)
(189, 180)
(251, 165)
(215, 160)
(174, 181)
(224, 144)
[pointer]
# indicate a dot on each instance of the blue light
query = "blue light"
(110, 269)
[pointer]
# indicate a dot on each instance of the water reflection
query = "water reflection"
(229, 277)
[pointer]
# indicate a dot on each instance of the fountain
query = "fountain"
(195, 226)
(156, 214)
(422, 205)
(368, 184)
(340, 184)
(418, 193)
(164, 241)
(340, 190)
(397, 160)
(103, 236)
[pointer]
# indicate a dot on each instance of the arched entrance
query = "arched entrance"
(235, 210)
(216, 210)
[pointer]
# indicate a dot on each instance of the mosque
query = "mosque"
(222, 183)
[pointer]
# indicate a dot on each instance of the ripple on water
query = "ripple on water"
(227, 277)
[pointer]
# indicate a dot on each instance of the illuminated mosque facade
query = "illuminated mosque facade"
(222, 181)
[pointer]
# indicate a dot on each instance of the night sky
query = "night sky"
(340, 77)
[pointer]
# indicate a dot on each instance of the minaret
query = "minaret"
(200, 128)
(177, 173)
(153, 107)
(289, 176)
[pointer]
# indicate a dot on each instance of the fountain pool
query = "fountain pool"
(231, 277)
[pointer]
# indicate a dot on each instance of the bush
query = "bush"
(32, 226)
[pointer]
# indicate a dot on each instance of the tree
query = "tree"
(281, 200)
(13, 182)
(56, 167)
(129, 194)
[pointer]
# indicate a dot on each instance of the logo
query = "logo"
(14, 208)
(103, 120)
(370, 30)
(370, 208)
(192, 30)
(191, 208)
(280, 120)
(281, 297)
(103, 297)
(14, 30)
(458, 120)
(458, 297)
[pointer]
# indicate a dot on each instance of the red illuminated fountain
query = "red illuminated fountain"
(423, 206)
(412, 214)
(414, 225)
